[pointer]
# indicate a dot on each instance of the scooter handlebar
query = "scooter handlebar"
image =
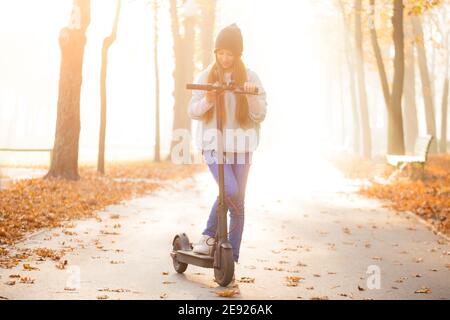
(210, 87)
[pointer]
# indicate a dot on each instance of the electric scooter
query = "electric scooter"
(221, 255)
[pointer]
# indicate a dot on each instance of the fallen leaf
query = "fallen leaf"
(120, 290)
(227, 293)
(61, 265)
(49, 253)
(70, 289)
(423, 290)
(292, 281)
(246, 280)
(28, 267)
(110, 233)
(377, 258)
(26, 280)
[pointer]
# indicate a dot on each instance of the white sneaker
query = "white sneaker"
(204, 245)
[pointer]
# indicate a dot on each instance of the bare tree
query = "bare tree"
(444, 111)
(396, 144)
(207, 23)
(378, 55)
(426, 83)
(183, 45)
(72, 40)
(349, 54)
(445, 31)
(107, 42)
(411, 129)
(361, 82)
(157, 156)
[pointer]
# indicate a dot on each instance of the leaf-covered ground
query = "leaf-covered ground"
(429, 197)
(125, 253)
(31, 204)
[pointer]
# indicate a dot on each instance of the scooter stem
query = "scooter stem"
(221, 208)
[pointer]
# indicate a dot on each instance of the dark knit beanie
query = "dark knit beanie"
(230, 38)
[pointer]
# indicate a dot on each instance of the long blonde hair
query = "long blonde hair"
(239, 76)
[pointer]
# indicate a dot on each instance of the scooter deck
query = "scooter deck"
(189, 257)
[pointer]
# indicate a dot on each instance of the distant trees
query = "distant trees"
(392, 53)
(188, 40)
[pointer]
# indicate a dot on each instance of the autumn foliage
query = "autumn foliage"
(428, 197)
(32, 204)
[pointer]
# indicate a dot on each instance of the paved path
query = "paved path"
(309, 224)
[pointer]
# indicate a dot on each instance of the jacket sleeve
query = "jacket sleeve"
(257, 105)
(198, 105)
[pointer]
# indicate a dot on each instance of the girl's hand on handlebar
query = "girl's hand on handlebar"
(250, 87)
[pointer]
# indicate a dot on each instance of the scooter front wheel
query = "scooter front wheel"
(224, 274)
(179, 267)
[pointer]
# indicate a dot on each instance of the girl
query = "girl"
(241, 116)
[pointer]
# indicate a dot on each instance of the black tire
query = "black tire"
(224, 274)
(179, 267)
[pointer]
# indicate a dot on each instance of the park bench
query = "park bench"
(28, 150)
(421, 149)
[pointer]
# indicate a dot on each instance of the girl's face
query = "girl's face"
(225, 58)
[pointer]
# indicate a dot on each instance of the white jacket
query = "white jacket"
(236, 139)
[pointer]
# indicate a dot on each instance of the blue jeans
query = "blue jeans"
(236, 168)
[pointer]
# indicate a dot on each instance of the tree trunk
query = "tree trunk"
(443, 142)
(207, 31)
(157, 156)
(184, 69)
(378, 56)
(107, 42)
(444, 108)
(409, 94)
(426, 83)
(349, 53)
(361, 81)
(72, 40)
(396, 144)
(343, 110)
